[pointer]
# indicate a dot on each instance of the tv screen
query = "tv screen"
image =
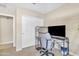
(57, 30)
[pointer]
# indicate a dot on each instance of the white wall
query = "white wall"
(7, 10)
(6, 30)
(73, 33)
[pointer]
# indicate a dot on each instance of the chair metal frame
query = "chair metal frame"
(42, 50)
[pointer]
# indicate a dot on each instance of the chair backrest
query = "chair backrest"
(46, 41)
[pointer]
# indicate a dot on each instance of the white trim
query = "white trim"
(9, 42)
(14, 43)
(18, 50)
(29, 45)
(3, 14)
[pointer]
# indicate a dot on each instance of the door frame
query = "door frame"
(8, 15)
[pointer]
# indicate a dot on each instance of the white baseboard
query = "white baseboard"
(9, 42)
(32, 44)
(18, 50)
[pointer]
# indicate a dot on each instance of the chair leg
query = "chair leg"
(44, 52)
(47, 53)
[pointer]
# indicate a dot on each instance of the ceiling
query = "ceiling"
(39, 7)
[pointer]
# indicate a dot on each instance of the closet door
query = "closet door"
(28, 30)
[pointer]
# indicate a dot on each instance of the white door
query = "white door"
(28, 30)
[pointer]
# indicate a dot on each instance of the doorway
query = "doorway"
(6, 32)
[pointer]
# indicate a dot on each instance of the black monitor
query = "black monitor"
(57, 30)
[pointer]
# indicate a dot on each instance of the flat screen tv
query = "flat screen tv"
(57, 30)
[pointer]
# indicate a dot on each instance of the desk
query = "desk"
(64, 39)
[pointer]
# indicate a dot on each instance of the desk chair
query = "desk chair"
(47, 44)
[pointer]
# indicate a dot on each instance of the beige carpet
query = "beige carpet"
(30, 51)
